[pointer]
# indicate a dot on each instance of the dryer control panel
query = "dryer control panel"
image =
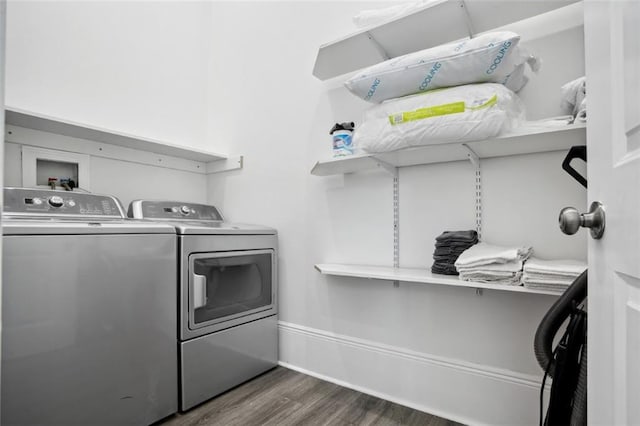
(142, 209)
(43, 202)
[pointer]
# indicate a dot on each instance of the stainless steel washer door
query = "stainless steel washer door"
(89, 329)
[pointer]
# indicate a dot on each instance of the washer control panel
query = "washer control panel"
(141, 209)
(26, 201)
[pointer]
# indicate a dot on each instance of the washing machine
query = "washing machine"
(227, 287)
(88, 312)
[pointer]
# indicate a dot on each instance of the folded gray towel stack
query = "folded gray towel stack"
(449, 245)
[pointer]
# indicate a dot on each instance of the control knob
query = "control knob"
(56, 201)
(185, 210)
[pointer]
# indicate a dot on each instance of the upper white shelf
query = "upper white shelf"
(526, 140)
(31, 120)
(436, 23)
(413, 275)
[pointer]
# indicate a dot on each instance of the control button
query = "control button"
(71, 203)
(185, 210)
(56, 201)
(37, 201)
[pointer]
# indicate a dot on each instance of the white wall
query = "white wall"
(135, 67)
(125, 180)
(444, 350)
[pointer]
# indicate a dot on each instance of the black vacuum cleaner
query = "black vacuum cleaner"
(567, 363)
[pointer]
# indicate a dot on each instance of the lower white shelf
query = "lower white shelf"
(414, 275)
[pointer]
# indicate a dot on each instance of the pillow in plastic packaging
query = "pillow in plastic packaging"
(456, 114)
(489, 58)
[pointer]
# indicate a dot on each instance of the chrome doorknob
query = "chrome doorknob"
(570, 220)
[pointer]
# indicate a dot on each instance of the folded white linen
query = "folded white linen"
(486, 254)
(581, 115)
(509, 267)
(543, 284)
(514, 279)
(564, 267)
(572, 95)
(554, 288)
(514, 282)
(558, 277)
(549, 283)
(487, 275)
(560, 283)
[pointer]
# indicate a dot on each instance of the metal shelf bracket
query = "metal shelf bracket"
(467, 19)
(389, 168)
(383, 53)
(471, 155)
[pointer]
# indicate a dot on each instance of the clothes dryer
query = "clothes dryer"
(227, 286)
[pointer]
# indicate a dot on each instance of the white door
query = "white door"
(3, 10)
(612, 43)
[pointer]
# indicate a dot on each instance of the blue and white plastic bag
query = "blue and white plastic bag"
(490, 58)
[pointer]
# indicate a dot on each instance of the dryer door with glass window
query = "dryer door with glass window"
(228, 285)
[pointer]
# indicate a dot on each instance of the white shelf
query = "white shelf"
(36, 121)
(527, 140)
(434, 24)
(412, 275)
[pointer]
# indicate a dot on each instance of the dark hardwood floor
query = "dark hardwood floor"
(283, 397)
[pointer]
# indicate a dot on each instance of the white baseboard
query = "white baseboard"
(454, 389)
(410, 404)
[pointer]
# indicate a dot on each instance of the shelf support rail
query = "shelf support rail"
(396, 224)
(393, 170)
(475, 160)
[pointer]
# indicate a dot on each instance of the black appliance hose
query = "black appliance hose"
(553, 319)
